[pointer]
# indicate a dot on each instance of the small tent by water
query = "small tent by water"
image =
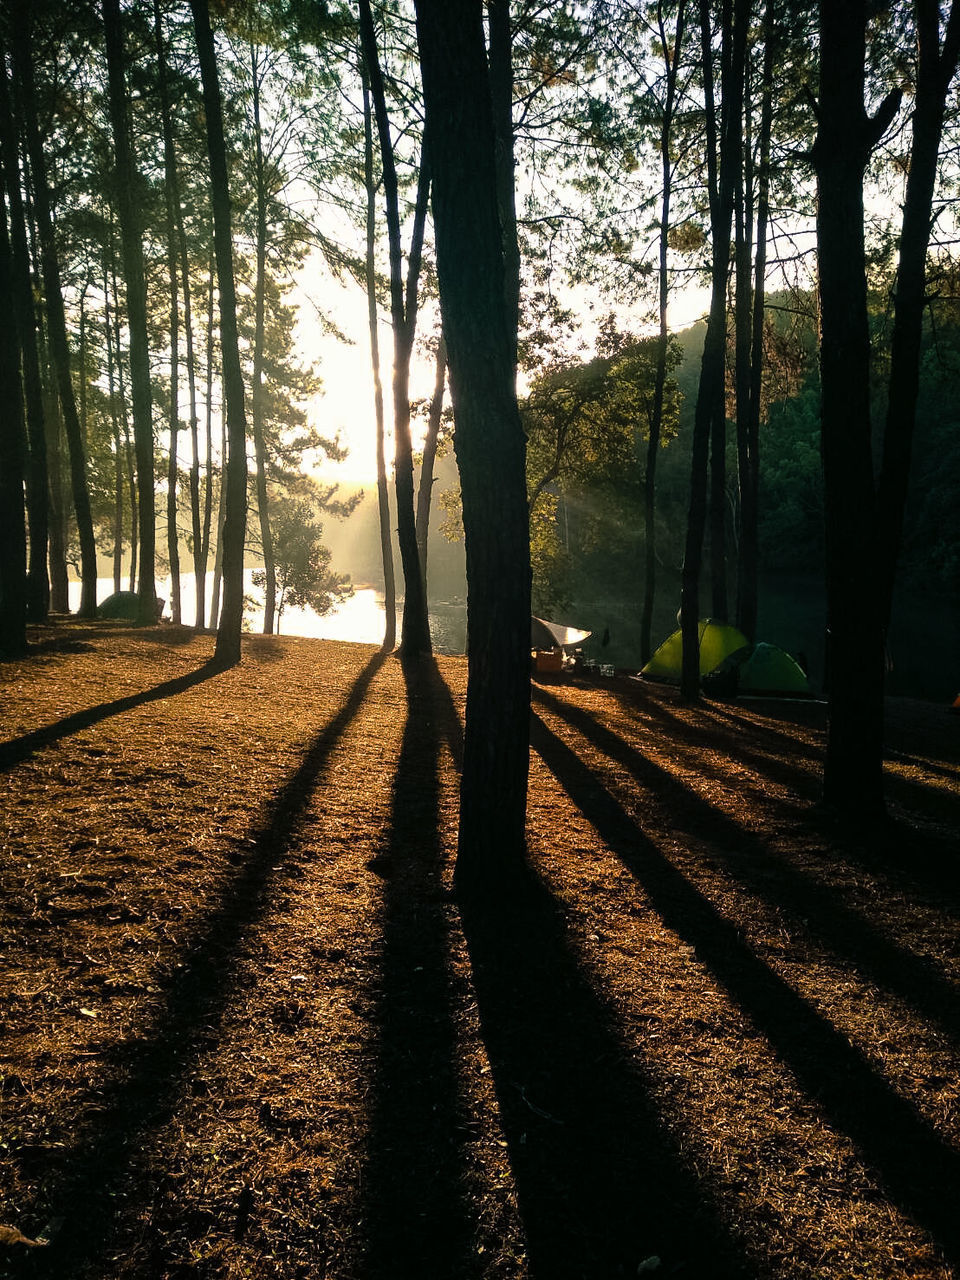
(718, 640)
(122, 604)
(125, 605)
(760, 670)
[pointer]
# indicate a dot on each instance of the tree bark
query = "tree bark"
(490, 444)
(383, 492)
(672, 65)
(749, 563)
(131, 247)
(854, 761)
(37, 498)
(415, 631)
(227, 651)
(171, 193)
(425, 488)
(711, 387)
(208, 491)
(56, 319)
(501, 95)
(115, 422)
(260, 285)
(936, 69)
(13, 451)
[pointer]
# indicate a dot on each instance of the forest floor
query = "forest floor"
(247, 1032)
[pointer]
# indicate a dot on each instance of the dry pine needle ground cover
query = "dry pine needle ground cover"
(246, 1030)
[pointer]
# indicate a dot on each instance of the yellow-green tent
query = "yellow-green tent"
(717, 641)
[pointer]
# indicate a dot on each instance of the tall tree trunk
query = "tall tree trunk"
(935, 70)
(744, 201)
(13, 458)
(56, 319)
(490, 443)
(500, 59)
(115, 422)
(208, 490)
(221, 521)
(425, 488)
(415, 632)
(854, 761)
(235, 519)
(383, 492)
(131, 246)
(37, 495)
(260, 287)
(128, 447)
(748, 583)
(710, 392)
(196, 527)
(57, 546)
(672, 64)
(171, 195)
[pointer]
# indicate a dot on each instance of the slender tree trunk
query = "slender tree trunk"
(743, 345)
(13, 459)
(259, 442)
(490, 442)
(128, 448)
(37, 496)
(425, 489)
(131, 245)
(57, 546)
(853, 768)
(115, 423)
(748, 592)
(936, 69)
(171, 193)
(383, 492)
(56, 319)
(711, 386)
(221, 521)
(231, 621)
(117, 443)
(663, 346)
(208, 491)
(415, 634)
(196, 528)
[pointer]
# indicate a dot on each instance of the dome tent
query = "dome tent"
(759, 670)
(717, 641)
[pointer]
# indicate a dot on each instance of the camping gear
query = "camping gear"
(553, 635)
(717, 641)
(759, 670)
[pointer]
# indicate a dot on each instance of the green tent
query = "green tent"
(122, 604)
(717, 641)
(761, 670)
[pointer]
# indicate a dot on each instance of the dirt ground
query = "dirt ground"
(247, 1032)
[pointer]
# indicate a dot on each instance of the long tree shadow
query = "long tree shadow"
(144, 1077)
(16, 750)
(919, 1169)
(415, 1214)
(599, 1181)
(932, 865)
(813, 906)
(710, 732)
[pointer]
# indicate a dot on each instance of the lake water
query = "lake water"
(361, 619)
(924, 639)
